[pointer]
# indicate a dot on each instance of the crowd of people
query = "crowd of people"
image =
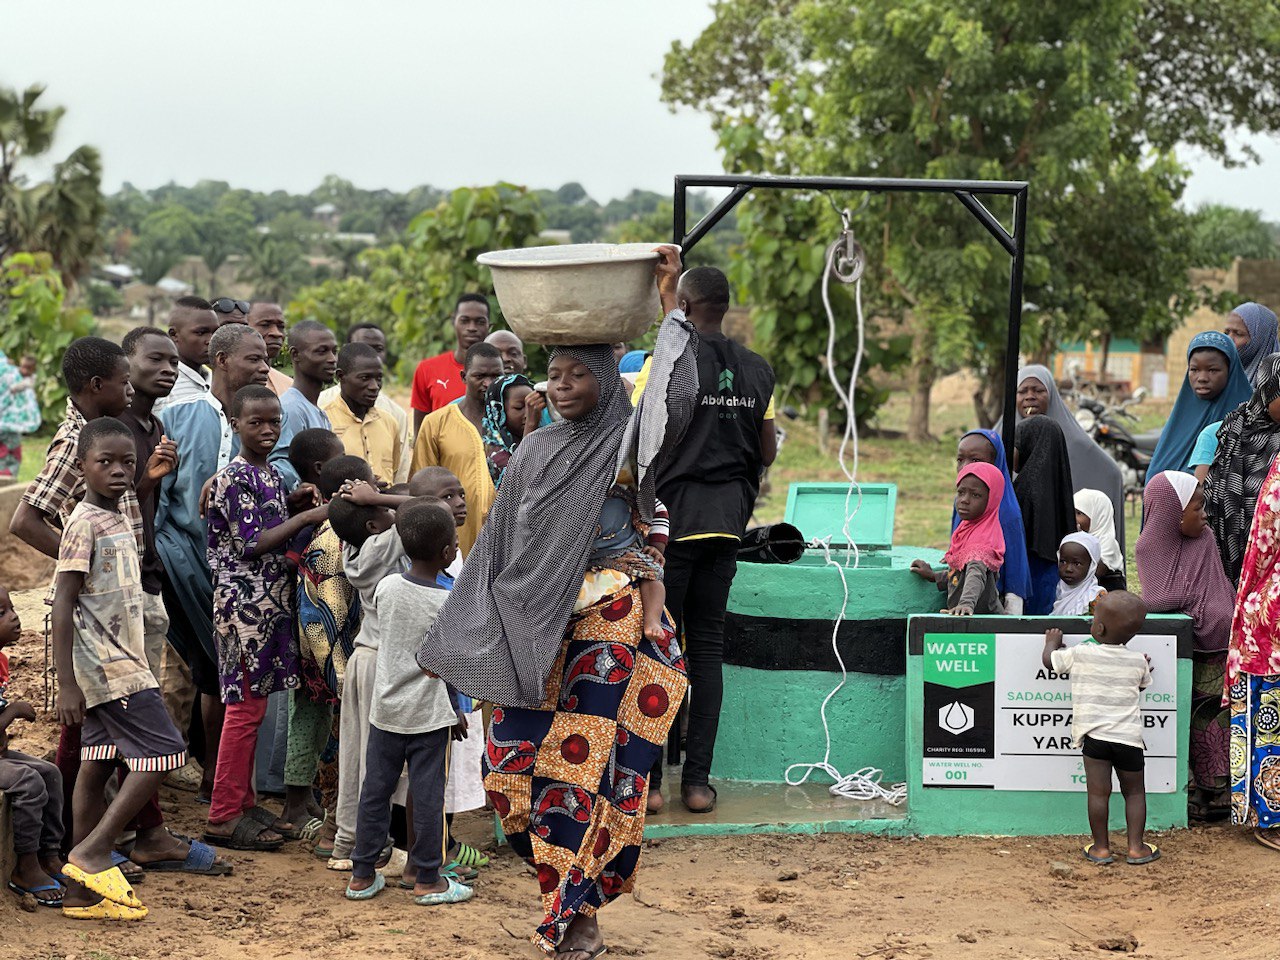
(261, 589)
(1209, 548)
(292, 586)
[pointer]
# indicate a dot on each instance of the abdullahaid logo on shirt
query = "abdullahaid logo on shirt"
(724, 383)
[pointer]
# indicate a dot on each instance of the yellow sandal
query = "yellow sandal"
(105, 910)
(109, 884)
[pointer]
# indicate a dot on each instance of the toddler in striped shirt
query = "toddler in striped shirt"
(1107, 680)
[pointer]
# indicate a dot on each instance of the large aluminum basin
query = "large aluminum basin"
(577, 293)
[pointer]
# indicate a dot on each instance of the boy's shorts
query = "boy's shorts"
(1123, 756)
(135, 729)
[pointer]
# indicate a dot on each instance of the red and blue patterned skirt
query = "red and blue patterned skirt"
(570, 781)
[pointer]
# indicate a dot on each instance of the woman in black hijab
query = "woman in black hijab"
(1042, 482)
(583, 699)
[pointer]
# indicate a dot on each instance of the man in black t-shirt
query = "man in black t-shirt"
(709, 486)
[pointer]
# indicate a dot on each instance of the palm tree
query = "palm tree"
(153, 256)
(272, 266)
(60, 216)
(347, 254)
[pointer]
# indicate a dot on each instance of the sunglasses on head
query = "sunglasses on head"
(227, 305)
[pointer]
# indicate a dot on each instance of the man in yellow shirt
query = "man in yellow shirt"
(371, 335)
(365, 431)
(451, 437)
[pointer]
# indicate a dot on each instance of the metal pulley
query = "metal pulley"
(846, 256)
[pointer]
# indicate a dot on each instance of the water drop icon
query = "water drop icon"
(956, 717)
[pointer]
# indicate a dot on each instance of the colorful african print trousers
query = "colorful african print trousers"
(1255, 751)
(570, 781)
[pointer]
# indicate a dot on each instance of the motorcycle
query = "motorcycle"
(1132, 451)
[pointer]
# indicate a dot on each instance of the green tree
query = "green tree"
(225, 230)
(655, 227)
(410, 288)
(273, 266)
(1075, 97)
(101, 298)
(61, 215)
(166, 235)
(34, 319)
(1220, 233)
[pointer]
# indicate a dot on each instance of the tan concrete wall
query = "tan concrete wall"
(1259, 280)
(1217, 281)
(1246, 280)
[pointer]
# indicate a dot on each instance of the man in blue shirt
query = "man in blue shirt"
(314, 350)
(206, 443)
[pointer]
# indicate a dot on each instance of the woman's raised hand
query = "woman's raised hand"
(534, 404)
(667, 272)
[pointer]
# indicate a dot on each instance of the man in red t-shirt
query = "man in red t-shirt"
(438, 381)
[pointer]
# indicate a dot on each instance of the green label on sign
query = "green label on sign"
(959, 659)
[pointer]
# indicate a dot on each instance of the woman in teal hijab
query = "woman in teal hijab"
(1216, 384)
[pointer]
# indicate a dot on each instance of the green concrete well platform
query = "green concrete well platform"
(779, 666)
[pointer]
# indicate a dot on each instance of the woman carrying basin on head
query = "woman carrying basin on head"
(584, 698)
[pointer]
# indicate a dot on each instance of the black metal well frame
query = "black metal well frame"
(968, 192)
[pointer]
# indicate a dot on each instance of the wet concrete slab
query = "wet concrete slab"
(744, 808)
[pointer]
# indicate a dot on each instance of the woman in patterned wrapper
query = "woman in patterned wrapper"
(583, 698)
(1253, 675)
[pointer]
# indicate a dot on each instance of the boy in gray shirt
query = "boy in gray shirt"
(371, 552)
(412, 716)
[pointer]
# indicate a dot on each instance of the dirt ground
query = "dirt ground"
(749, 898)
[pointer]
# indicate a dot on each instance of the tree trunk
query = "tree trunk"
(988, 399)
(921, 379)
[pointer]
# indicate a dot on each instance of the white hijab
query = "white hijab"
(1096, 505)
(1184, 485)
(1074, 601)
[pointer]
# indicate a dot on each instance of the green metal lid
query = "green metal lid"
(818, 509)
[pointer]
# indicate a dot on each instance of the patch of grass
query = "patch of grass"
(923, 472)
(34, 449)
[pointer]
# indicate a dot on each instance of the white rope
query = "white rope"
(845, 263)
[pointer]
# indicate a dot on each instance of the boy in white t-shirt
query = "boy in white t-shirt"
(413, 714)
(1107, 680)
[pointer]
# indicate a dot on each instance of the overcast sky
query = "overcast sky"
(392, 93)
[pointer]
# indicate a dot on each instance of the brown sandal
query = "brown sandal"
(1268, 838)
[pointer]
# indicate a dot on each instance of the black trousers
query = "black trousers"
(698, 576)
(385, 757)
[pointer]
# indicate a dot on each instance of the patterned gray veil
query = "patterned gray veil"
(500, 631)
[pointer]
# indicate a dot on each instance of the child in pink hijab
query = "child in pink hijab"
(977, 545)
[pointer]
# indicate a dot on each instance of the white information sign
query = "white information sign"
(995, 717)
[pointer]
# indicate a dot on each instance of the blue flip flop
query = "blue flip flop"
(1100, 861)
(118, 859)
(36, 891)
(455, 893)
(379, 881)
(1152, 857)
(201, 859)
